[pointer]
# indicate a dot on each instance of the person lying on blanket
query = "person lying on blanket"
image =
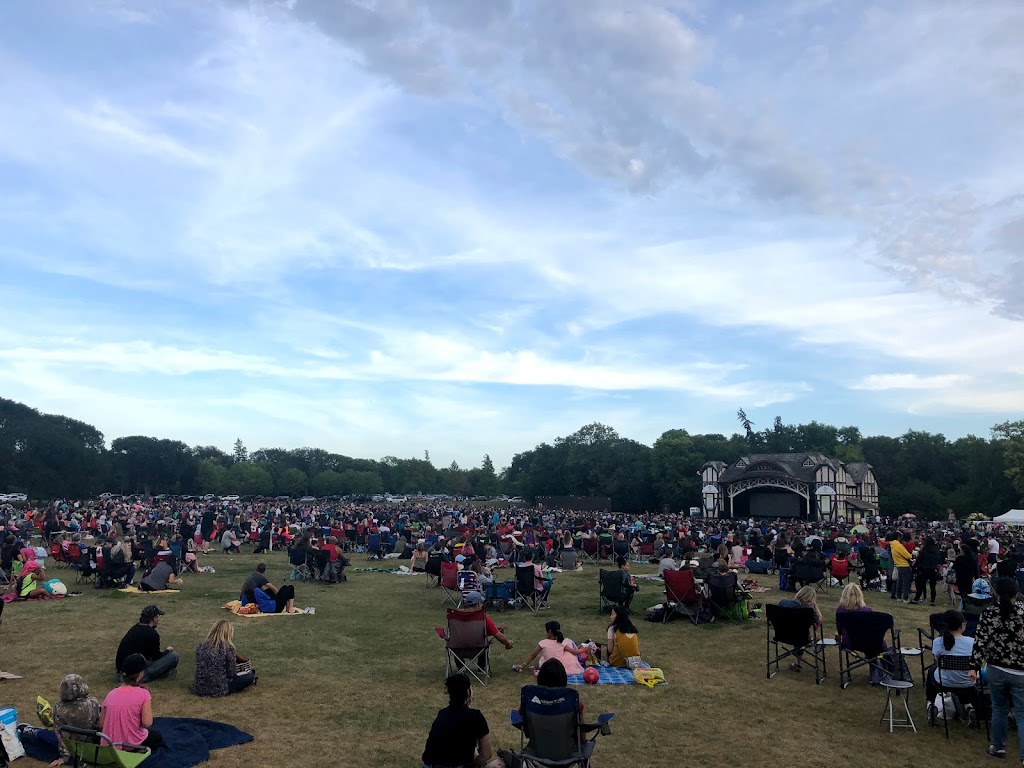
(270, 599)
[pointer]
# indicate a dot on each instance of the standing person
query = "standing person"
(459, 736)
(965, 568)
(999, 643)
(217, 664)
(206, 527)
(901, 561)
(270, 599)
(144, 640)
(926, 569)
(127, 713)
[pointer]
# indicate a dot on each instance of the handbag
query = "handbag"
(633, 662)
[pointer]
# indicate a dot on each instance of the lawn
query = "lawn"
(358, 683)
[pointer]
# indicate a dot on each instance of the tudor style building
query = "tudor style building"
(810, 486)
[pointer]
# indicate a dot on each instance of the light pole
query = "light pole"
(710, 500)
(825, 494)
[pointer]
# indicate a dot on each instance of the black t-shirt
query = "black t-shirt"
(255, 581)
(141, 638)
(454, 736)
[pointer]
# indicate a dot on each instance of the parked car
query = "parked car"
(209, 497)
(229, 498)
(307, 499)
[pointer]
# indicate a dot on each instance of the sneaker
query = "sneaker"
(933, 713)
(993, 752)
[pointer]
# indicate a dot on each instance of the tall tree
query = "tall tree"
(239, 452)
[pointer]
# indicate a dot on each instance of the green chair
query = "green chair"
(99, 750)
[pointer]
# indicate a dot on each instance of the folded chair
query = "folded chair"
(94, 748)
(449, 581)
(795, 627)
(867, 643)
(591, 550)
(526, 587)
(726, 598)
(683, 596)
(552, 730)
(466, 644)
(612, 590)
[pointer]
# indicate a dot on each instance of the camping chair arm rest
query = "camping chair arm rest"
(441, 633)
(515, 719)
(602, 724)
(124, 746)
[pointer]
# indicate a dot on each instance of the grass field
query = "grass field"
(358, 684)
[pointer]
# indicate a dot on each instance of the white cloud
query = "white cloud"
(883, 381)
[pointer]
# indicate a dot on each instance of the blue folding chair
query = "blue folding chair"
(373, 548)
(552, 733)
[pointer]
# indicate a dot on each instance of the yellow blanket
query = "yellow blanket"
(137, 591)
(235, 606)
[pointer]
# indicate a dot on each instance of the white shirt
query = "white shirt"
(993, 547)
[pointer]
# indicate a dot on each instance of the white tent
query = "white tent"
(1013, 517)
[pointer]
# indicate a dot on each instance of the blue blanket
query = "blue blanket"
(608, 676)
(189, 741)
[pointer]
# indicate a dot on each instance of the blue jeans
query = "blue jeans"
(904, 578)
(161, 667)
(1002, 687)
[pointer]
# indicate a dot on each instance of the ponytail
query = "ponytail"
(952, 620)
(1006, 589)
(555, 629)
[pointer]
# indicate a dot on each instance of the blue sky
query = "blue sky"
(466, 227)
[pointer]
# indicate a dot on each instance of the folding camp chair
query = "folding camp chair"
(303, 567)
(683, 595)
(936, 626)
(374, 549)
(591, 550)
(526, 587)
(552, 729)
(449, 582)
(866, 645)
(86, 570)
(57, 553)
(466, 644)
(949, 663)
(433, 569)
(840, 569)
(612, 590)
(796, 627)
(498, 595)
(726, 598)
(94, 748)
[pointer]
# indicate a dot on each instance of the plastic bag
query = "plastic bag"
(44, 711)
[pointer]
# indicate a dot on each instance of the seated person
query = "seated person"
(127, 711)
(229, 542)
(623, 641)
(666, 564)
(333, 560)
(852, 600)
(554, 646)
(270, 599)
(805, 596)
(952, 642)
(629, 586)
(418, 561)
(540, 582)
(161, 577)
(217, 664)
(30, 582)
(144, 640)
(76, 709)
(459, 736)
(119, 565)
(474, 601)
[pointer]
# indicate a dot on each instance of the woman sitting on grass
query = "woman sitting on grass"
(555, 647)
(623, 641)
(459, 736)
(217, 664)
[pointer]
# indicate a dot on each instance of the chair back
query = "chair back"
(373, 542)
(840, 567)
(937, 624)
(866, 631)
(801, 570)
(434, 562)
(450, 575)
(792, 624)
(955, 663)
(525, 579)
(611, 585)
(551, 721)
(975, 606)
(88, 747)
(646, 548)
(680, 587)
(467, 630)
(722, 587)
(590, 546)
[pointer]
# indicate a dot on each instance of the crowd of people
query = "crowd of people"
(913, 561)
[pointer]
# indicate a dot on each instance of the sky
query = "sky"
(382, 227)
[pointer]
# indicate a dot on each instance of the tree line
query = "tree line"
(50, 456)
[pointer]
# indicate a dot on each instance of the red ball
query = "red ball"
(591, 676)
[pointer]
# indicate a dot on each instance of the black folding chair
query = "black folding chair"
(947, 662)
(526, 587)
(613, 590)
(795, 627)
(552, 729)
(725, 596)
(864, 644)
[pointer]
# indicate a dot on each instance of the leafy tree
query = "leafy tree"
(292, 482)
(675, 469)
(1011, 436)
(328, 483)
(151, 465)
(212, 477)
(239, 452)
(249, 479)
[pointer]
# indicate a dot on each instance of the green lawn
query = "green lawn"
(359, 683)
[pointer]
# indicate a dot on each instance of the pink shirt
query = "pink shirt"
(552, 649)
(123, 720)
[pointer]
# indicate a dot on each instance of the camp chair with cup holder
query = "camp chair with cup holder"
(94, 748)
(551, 728)
(866, 645)
(795, 627)
(727, 600)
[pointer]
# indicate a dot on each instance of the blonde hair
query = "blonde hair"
(806, 596)
(221, 634)
(852, 598)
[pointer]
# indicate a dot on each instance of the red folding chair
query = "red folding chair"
(683, 595)
(450, 584)
(466, 644)
(840, 567)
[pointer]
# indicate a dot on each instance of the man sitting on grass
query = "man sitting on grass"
(270, 599)
(144, 639)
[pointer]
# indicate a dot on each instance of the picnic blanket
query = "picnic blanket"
(375, 570)
(608, 676)
(10, 597)
(137, 591)
(235, 606)
(9, 676)
(189, 742)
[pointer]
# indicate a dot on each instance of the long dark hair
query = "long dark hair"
(555, 629)
(953, 620)
(552, 674)
(622, 623)
(1006, 590)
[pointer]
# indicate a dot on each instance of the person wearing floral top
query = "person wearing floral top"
(217, 664)
(999, 643)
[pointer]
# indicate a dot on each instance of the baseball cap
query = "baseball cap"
(150, 612)
(473, 598)
(460, 558)
(133, 664)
